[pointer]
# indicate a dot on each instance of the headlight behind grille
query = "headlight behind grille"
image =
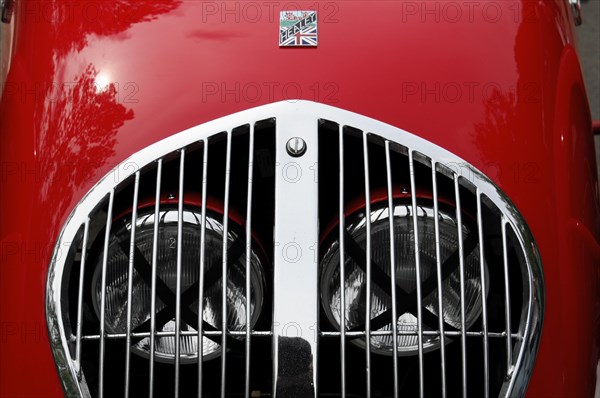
(381, 296)
(116, 316)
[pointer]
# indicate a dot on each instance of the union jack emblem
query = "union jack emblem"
(298, 29)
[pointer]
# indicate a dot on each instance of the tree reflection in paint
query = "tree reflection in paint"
(82, 124)
(78, 120)
(504, 137)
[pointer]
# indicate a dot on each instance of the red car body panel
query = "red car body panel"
(497, 83)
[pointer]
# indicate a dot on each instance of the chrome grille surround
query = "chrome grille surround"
(297, 221)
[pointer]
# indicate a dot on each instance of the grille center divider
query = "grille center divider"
(296, 266)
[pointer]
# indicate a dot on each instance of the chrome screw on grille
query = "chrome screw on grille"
(296, 146)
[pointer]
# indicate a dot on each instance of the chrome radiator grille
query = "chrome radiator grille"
(304, 242)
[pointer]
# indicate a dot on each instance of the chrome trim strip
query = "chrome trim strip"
(342, 222)
(390, 194)
(86, 228)
(136, 188)
(249, 257)
(178, 276)
(261, 333)
(461, 259)
(484, 319)
(224, 274)
(296, 267)
(413, 195)
(438, 263)
(507, 300)
(103, 299)
(369, 270)
(202, 266)
(153, 283)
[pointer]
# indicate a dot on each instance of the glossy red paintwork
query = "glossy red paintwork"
(497, 83)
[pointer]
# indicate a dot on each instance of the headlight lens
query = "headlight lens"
(355, 283)
(117, 273)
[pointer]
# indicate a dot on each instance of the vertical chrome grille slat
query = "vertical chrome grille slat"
(342, 222)
(103, 289)
(202, 266)
(413, 192)
(388, 165)
(153, 282)
(440, 336)
(224, 274)
(136, 186)
(439, 277)
(484, 318)
(463, 327)
(368, 262)
(507, 311)
(178, 275)
(86, 229)
(249, 258)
